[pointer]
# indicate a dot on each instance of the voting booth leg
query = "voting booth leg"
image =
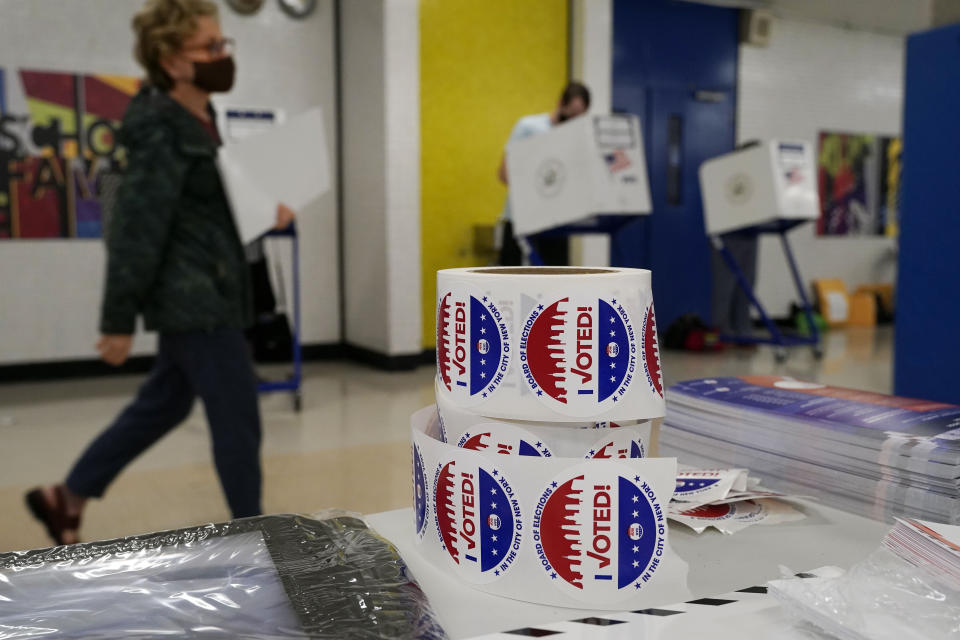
(807, 309)
(530, 252)
(777, 338)
(534, 259)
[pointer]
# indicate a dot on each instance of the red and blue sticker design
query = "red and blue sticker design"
(478, 519)
(688, 488)
(600, 533)
(473, 347)
(420, 498)
(617, 445)
(578, 354)
(651, 352)
(498, 438)
(441, 434)
(715, 512)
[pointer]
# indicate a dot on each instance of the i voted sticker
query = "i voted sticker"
(712, 512)
(603, 424)
(749, 511)
(705, 485)
(420, 497)
(478, 519)
(473, 347)
(578, 354)
(617, 444)
(499, 438)
(691, 487)
(599, 532)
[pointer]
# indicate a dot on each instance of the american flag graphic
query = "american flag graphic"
(617, 161)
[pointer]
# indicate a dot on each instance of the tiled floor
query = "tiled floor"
(347, 449)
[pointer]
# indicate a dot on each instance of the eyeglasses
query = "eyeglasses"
(223, 47)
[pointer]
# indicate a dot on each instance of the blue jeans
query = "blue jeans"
(213, 365)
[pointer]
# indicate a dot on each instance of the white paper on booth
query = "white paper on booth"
(287, 164)
(619, 174)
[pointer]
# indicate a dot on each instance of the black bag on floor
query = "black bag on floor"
(270, 336)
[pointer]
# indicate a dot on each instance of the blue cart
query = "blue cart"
(294, 383)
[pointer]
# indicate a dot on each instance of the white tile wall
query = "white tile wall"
(381, 128)
(402, 90)
(364, 174)
(592, 45)
(817, 77)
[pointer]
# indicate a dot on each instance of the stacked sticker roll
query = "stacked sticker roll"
(549, 344)
(531, 474)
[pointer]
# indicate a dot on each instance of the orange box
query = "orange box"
(863, 310)
(833, 301)
(885, 291)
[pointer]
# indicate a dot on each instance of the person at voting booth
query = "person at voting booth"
(174, 256)
(574, 101)
(729, 304)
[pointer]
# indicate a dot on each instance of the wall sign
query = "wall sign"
(60, 161)
(859, 183)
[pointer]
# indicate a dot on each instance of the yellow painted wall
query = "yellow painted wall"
(483, 65)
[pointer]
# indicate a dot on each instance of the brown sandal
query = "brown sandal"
(53, 516)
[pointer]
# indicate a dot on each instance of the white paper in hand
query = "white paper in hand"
(287, 164)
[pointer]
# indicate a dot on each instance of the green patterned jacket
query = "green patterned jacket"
(174, 253)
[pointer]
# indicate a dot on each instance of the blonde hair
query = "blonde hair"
(161, 27)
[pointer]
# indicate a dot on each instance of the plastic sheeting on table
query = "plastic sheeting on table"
(265, 577)
(881, 598)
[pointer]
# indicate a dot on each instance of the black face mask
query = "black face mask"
(562, 117)
(215, 76)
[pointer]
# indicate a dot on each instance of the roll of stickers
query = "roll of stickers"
(555, 531)
(549, 344)
(584, 440)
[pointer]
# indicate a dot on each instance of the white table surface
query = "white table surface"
(718, 564)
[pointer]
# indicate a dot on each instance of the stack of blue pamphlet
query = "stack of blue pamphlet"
(877, 455)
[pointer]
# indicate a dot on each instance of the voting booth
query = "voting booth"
(761, 185)
(766, 187)
(584, 167)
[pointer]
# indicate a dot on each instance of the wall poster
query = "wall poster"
(859, 184)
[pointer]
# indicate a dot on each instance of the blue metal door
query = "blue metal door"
(675, 66)
(683, 128)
